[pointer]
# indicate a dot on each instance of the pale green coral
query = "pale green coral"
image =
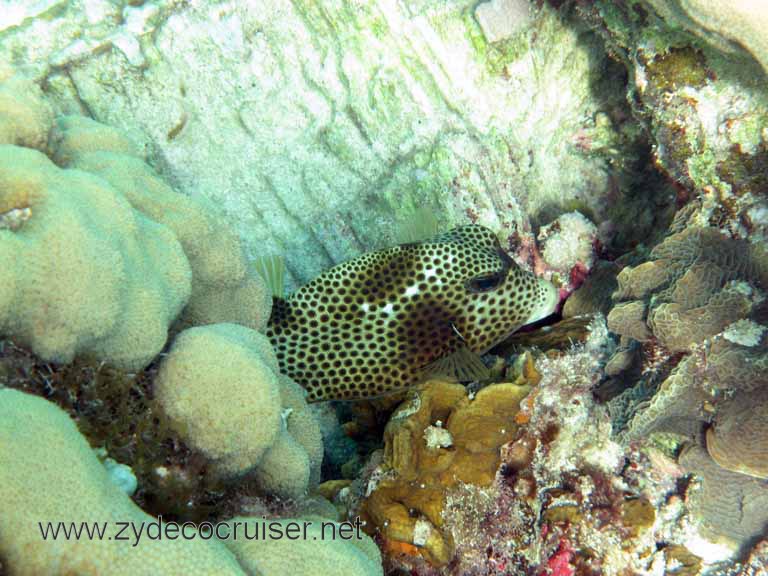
(88, 275)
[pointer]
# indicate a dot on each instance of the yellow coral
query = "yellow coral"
(408, 506)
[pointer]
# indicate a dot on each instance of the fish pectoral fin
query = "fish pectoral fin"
(462, 365)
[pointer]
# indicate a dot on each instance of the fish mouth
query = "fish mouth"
(550, 298)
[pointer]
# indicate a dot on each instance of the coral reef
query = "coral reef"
(109, 223)
(438, 439)
(224, 287)
(118, 415)
(694, 307)
(220, 388)
(566, 498)
(87, 274)
(392, 107)
(156, 154)
(61, 479)
(703, 100)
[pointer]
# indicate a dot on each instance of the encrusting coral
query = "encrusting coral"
(567, 498)
(220, 386)
(440, 438)
(86, 274)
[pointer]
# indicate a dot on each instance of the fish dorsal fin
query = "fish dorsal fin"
(272, 271)
(462, 364)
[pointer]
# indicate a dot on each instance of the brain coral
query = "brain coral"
(732, 506)
(699, 386)
(220, 387)
(697, 282)
(86, 274)
(738, 440)
(224, 288)
(696, 306)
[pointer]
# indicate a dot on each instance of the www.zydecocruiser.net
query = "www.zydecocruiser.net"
(159, 529)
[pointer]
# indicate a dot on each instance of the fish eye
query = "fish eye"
(485, 283)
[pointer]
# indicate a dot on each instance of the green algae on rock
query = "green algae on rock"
(318, 126)
(703, 100)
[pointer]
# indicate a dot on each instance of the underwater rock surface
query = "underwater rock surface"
(316, 126)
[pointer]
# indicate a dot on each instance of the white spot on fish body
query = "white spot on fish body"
(388, 309)
(412, 290)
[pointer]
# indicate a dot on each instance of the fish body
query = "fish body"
(384, 321)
